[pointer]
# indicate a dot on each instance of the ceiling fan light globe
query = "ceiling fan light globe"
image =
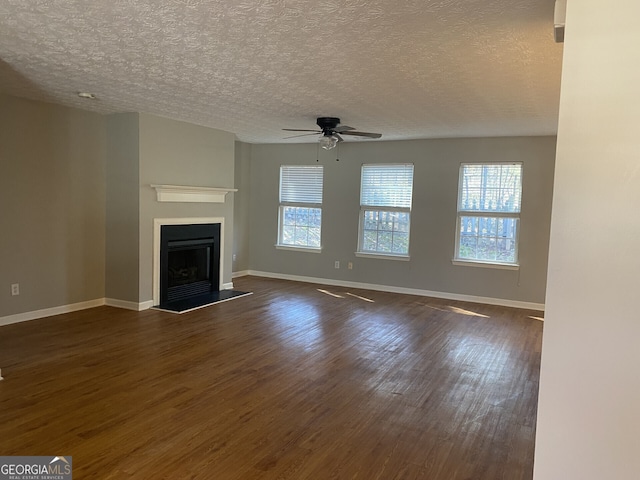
(328, 142)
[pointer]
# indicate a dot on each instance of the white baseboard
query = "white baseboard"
(48, 312)
(135, 306)
(145, 305)
(242, 273)
(408, 291)
(98, 302)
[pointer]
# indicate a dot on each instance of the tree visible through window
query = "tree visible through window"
(300, 214)
(385, 209)
(489, 198)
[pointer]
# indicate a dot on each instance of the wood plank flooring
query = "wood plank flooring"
(297, 381)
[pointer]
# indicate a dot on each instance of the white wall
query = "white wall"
(589, 410)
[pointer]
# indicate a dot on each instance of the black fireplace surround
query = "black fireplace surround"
(189, 261)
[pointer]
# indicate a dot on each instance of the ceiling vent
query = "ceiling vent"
(559, 16)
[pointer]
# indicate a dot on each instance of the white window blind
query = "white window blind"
(301, 184)
(386, 185)
(490, 188)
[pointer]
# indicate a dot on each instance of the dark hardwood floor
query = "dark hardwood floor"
(296, 381)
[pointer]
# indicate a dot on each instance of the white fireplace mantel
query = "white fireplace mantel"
(179, 193)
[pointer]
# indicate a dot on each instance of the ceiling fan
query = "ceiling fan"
(331, 132)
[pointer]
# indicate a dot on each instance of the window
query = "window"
(489, 213)
(385, 209)
(300, 215)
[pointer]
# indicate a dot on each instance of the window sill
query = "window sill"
(478, 263)
(299, 249)
(383, 256)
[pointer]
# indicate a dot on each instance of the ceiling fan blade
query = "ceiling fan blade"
(363, 134)
(302, 135)
(337, 135)
(343, 128)
(300, 130)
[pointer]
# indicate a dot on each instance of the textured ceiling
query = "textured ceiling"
(406, 69)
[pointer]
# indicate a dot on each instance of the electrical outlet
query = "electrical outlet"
(234, 257)
(15, 289)
(337, 264)
(350, 265)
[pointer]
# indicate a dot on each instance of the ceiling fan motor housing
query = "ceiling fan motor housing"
(327, 124)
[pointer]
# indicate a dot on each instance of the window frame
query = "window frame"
(457, 260)
(282, 205)
(360, 252)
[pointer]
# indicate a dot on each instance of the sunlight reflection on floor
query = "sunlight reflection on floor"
(335, 295)
(326, 292)
(462, 311)
(361, 298)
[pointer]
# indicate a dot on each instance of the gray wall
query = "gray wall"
(241, 227)
(52, 205)
(76, 208)
(179, 153)
(433, 221)
(73, 181)
(123, 210)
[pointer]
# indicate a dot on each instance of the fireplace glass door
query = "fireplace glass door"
(189, 261)
(189, 268)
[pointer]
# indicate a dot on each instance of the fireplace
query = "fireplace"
(189, 261)
(188, 256)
